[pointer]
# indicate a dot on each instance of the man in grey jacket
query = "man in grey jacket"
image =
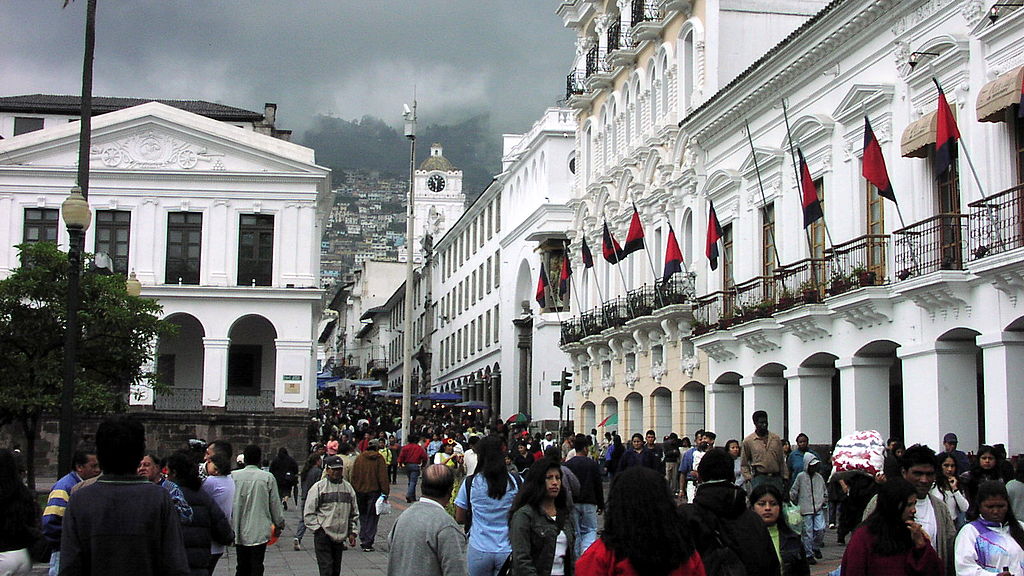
(331, 513)
(425, 540)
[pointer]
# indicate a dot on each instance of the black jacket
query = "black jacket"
(208, 523)
(722, 507)
(794, 559)
(589, 474)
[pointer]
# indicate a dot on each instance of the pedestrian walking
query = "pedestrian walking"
(412, 457)
(19, 519)
(483, 506)
(330, 512)
(591, 497)
(425, 540)
(257, 513)
(208, 525)
(542, 528)
(83, 467)
(808, 492)
(763, 458)
(766, 502)
(220, 487)
(370, 481)
(311, 473)
(994, 542)
(286, 473)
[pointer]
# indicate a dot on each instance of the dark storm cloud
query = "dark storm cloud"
(346, 58)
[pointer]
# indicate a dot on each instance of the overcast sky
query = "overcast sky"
(345, 58)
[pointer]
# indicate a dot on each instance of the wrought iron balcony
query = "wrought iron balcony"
(262, 402)
(637, 303)
(645, 11)
(997, 223)
(177, 399)
(614, 34)
(862, 259)
(574, 84)
(936, 243)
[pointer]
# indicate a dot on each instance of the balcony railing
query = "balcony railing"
(597, 61)
(862, 259)
(637, 303)
(930, 245)
(613, 35)
(997, 223)
(713, 310)
(645, 11)
(802, 281)
(179, 400)
(574, 84)
(262, 402)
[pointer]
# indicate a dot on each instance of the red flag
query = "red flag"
(946, 135)
(673, 257)
(610, 247)
(873, 166)
(542, 287)
(588, 256)
(714, 235)
(635, 237)
(563, 278)
(811, 204)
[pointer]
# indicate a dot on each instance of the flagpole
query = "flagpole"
(654, 272)
(572, 288)
(799, 187)
(764, 199)
(615, 253)
(686, 269)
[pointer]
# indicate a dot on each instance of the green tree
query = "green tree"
(114, 348)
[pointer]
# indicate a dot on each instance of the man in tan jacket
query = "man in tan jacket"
(370, 481)
(331, 514)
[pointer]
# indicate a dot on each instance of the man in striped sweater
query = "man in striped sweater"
(84, 466)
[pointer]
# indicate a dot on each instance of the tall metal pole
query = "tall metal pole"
(410, 231)
(76, 239)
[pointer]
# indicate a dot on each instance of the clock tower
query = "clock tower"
(439, 201)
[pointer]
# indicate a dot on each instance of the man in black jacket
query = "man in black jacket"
(591, 497)
(724, 529)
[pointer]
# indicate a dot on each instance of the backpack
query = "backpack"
(469, 500)
(721, 559)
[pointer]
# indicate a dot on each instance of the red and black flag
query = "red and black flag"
(635, 237)
(946, 135)
(563, 278)
(714, 235)
(810, 201)
(673, 257)
(610, 247)
(588, 256)
(542, 287)
(873, 167)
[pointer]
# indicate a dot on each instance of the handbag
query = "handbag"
(506, 567)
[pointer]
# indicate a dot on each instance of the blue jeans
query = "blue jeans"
(586, 527)
(814, 532)
(484, 563)
(413, 471)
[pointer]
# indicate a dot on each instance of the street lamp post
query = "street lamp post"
(410, 231)
(76, 214)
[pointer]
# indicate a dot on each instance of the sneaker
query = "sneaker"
(832, 526)
(285, 504)
(367, 548)
(817, 554)
(295, 545)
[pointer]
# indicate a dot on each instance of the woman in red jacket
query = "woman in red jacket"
(890, 542)
(643, 533)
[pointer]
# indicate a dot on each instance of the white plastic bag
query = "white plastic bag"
(383, 506)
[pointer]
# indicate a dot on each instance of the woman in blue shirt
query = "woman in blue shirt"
(484, 502)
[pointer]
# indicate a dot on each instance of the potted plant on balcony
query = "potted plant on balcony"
(863, 276)
(809, 290)
(727, 320)
(838, 283)
(786, 301)
(698, 327)
(763, 309)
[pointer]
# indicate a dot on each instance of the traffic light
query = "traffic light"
(566, 380)
(556, 399)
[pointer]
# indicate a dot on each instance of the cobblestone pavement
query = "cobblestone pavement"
(282, 560)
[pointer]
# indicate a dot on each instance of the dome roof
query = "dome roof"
(436, 161)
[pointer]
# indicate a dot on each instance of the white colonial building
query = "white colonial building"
(907, 324)
(220, 223)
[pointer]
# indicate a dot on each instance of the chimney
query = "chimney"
(269, 114)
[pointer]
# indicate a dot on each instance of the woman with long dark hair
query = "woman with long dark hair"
(615, 453)
(643, 533)
(542, 529)
(208, 524)
(994, 543)
(19, 519)
(948, 488)
(766, 502)
(483, 503)
(889, 541)
(988, 466)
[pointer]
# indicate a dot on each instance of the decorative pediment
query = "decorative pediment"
(768, 159)
(863, 99)
(150, 149)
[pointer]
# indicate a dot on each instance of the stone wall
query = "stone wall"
(167, 432)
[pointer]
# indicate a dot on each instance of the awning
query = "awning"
(999, 94)
(918, 135)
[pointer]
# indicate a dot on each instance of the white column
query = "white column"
(940, 393)
(864, 394)
(146, 253)
(8, 259)
(725, 410)
(215, 371)
(1003, 355)
(810, 403)
(294, 373)
(763, 393)
(222, 251)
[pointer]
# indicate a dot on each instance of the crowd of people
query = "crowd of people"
(488, 500)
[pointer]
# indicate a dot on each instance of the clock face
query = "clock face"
(435, 183)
